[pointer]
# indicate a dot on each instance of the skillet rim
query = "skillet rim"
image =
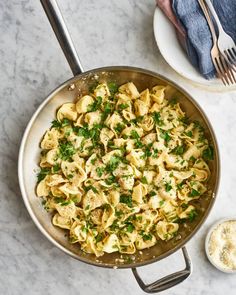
(21, 178)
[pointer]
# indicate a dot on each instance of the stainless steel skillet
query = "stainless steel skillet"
(68, 91)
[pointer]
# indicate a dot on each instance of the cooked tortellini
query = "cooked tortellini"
(122, 169)
(67, 111)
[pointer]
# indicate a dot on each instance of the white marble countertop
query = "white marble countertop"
(32, 64)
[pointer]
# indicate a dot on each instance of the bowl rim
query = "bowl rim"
(207, 240)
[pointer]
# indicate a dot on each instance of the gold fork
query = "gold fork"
(225, 43)
(223, 70)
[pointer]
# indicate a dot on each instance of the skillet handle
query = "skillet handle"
(169, 280)
(63, 36)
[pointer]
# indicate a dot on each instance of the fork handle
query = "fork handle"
(213, 12)
(208, 19)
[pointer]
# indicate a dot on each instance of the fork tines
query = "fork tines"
(224, 70)
(230, 56)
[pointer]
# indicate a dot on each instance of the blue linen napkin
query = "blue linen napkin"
(199, 40)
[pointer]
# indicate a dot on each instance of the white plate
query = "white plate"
(175, 56)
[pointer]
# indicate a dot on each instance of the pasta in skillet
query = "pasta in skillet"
(120, 169)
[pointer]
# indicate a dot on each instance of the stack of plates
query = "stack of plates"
(175, 56)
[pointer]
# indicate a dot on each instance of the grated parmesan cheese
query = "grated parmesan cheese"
(222, 245)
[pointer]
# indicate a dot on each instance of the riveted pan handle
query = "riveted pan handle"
(63, 36)
(168, 281)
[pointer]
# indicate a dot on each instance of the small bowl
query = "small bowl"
(229, 271)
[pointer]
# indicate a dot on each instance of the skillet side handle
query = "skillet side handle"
(63, 36)
(169, 280)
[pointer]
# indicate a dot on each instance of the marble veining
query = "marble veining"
(31, 65)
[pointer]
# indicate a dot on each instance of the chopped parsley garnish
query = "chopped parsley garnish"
(111, 145)
(95, 133)
(95, 105)
(62, 201)
(107, 110)
(65, 203)
(68, 132)
(147, 151)
(198, 125)
(155, 153)
(91, 187)
(208, 153)
(168, 187)
(189, 133)
(122, 106)
(43, 172)
(123, 151)
(192, 183)
(99, 238)
(93, 161)
(134, 134)
(194, 193)
(165, 136)
(59, 199)
(83, 131)
(192, 159)
(130, 228)
(152, 193)
(66, 150)
(63, 123)
(192, 215)
(113, 163)
(126, 199)
(56, 124)
(74, 198)
(147, 237)
(139, 218)
(118, 213)
(161, 203)
(100, 171)
(110, 180)
(138, 144)
(137, 120)
(84, 229)
(87, 133)
(56, 168)
(180, 185)
(119, 127)
(130, 219)
(114, 225)
(113, 88)
(157, 118)
(144, 180)
(178, 150)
